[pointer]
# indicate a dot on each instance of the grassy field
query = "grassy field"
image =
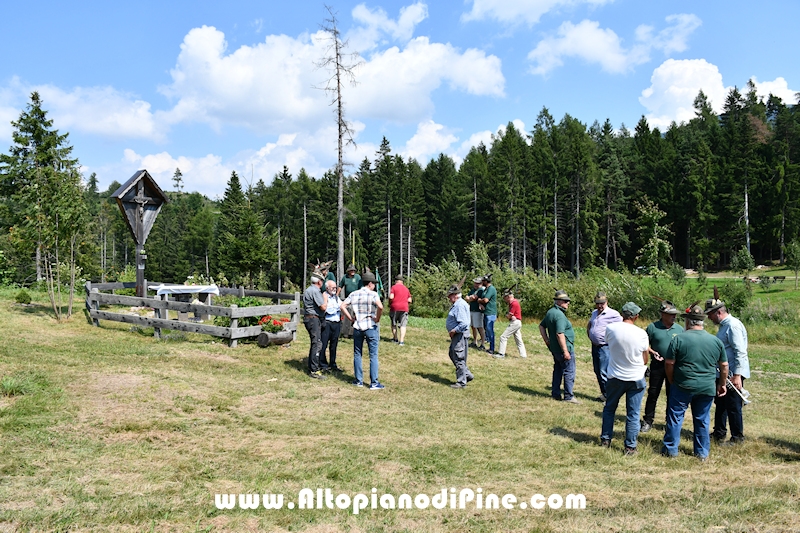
(110, 430)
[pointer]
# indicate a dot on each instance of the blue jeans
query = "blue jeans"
(633, 391)
(372, 335)
(600, 364)
(563, 369)
(488, 325)
(679, 400)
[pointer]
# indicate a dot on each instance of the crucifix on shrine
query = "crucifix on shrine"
(140, 200)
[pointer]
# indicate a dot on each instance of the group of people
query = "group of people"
(696, 368)
(694, 364)
(351, 309)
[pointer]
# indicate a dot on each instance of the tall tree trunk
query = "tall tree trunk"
(305, 247)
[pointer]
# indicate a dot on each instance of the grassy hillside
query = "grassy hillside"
(110, 430)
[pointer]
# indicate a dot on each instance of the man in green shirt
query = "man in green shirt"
(475, 312)
(351, 282)
(691, 367)
(489, 302)
(660, 333)
(558, 335)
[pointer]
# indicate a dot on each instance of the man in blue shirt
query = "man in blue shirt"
(458, 321)
(733, 335)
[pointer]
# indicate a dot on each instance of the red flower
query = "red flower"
(263, 320)
(277, 323)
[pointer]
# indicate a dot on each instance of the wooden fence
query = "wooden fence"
(162, 307)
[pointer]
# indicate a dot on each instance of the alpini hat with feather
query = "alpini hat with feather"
(561, 295)
(455, 288)
(694, 312)
(712, 304)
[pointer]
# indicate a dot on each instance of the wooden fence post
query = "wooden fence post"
(234, 325)
(296, 315)
(157, 314)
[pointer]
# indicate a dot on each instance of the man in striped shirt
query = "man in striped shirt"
(366, 309)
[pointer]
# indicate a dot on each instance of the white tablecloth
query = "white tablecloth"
(185, 289)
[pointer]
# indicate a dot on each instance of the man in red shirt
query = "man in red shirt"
(514, 328)
(399, 298)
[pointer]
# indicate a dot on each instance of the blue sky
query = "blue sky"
(213, 87)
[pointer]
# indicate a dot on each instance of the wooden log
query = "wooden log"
(268, 339)
(223, 291)
(188, 327)
(262, 310)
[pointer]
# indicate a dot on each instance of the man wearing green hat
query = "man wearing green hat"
(350, 282)
(691, 367)
(660, 333)
(557, 333)
(475, 312)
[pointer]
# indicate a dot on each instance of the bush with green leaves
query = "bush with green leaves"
(23, 297)
(247, 301)
(535, 291)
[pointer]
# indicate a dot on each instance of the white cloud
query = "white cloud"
(375, 23)
(515, 12)
(674, 86)
(593, 44)
(778, 87)
(430, 140)
(101, 111)
(207, 175)
(7, 114)
(269, 87)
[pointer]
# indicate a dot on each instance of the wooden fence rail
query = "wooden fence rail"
(162, 307)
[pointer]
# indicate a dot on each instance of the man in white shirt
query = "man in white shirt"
(628, 353)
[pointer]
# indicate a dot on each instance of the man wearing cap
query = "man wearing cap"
(315, 301)
(601, 317)
(627, 362)
(557, 333)
(659, 333)
(514, 328)
(399, 298)
(350, 282)
(475, 312)
(366, 315)
(691, 367)
(457, 324)
(489, 302)
(733, 335)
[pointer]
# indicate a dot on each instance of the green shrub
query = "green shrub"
(23, 297)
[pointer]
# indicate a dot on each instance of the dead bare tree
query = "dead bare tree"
(342, 67)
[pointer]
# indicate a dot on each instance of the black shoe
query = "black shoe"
(336, 368)
(629, 451)
(645, 427)
(605, 443)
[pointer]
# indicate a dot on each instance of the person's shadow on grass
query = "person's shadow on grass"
(435, 378)
(529, 392)
(574, 435)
